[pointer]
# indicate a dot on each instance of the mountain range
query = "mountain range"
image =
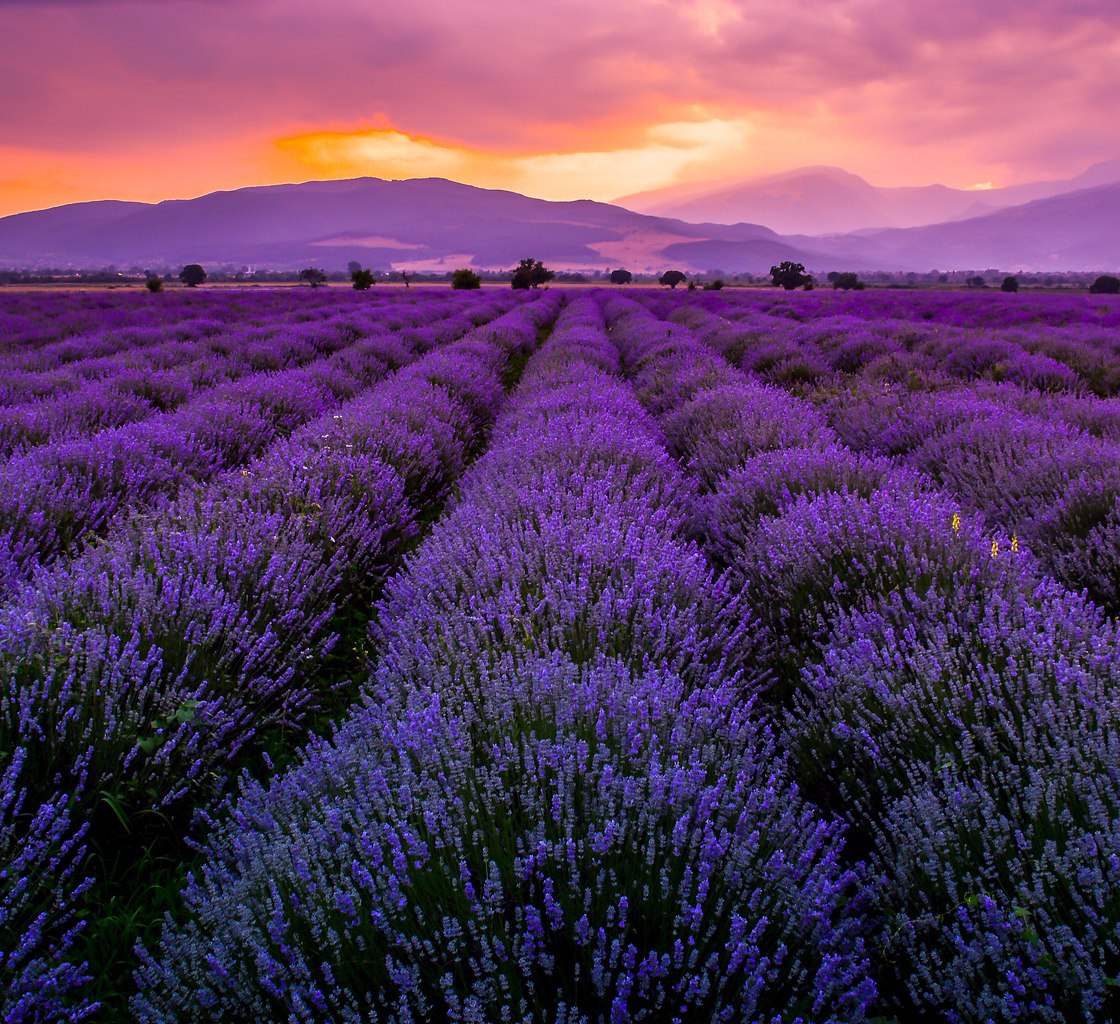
(436, 224)
(829, 200)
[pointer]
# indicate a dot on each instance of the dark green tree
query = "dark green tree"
(846, 281)
(192, 275)
(1106, 284)
(531, 273)
(976, 281)
(621, 276)
(313, 276)
(362, 279)
(1010, 284)
(465, 279)
(672, 278)
(153, 284)
(714, 286)
(790, 275)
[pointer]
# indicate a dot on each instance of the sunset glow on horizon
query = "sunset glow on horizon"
(138, 100)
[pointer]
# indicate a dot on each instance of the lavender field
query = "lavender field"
(559, 657)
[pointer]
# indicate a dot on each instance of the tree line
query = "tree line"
(532, 273)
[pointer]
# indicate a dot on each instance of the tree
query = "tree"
(1106, 284)
(153, 284)
(976, 281)
(192, 275)
(672, 278)
(790, 275)
(714, 286)
(313, 276)
(621, 276)
(352, 267)
(530, 273)
(1010, 284)
(846, 281)
(363, 280)
(464, 279)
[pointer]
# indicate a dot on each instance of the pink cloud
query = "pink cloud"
(957, 90)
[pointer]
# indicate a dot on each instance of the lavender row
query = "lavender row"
(1054, 485)
(829, 349)
(1042, 466)
(955, 708)
(900, 312)
(129, 389)
(66, 364)
(146, 668)
(853, 362)
(188, 349)
(792, 347)
(68, 326)
(532, 817)
(54, 497)
(154, 375)
(163, 366)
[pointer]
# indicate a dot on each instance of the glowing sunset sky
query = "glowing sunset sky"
(150, 99)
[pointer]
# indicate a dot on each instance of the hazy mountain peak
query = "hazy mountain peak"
(826, 200)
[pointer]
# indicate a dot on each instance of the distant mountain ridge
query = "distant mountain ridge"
(1073, 231)
(423, 223)
(828, 200)
(436, 224)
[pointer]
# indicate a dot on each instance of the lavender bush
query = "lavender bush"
(838, 551)
(767, 484)
(978, 749)
(40, 854)
(532, 819)
(573, 850)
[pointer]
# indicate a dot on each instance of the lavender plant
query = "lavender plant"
(977, 751)
(40, 885)
(723, 427)
(572, 848)
(827, 554)
(767, 484)
(532, 818)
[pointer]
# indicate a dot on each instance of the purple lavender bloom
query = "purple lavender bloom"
(723, 427)
(40, 852)
(194, 631)
(539, 767)
(1011, 467)
(827, 554)
(767, 484)
(564, 843)
(1077, 539)
(976, 749)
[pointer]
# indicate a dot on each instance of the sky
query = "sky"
(154, 99)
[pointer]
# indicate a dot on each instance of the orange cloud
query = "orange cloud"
(145, 100)
(659, 156)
